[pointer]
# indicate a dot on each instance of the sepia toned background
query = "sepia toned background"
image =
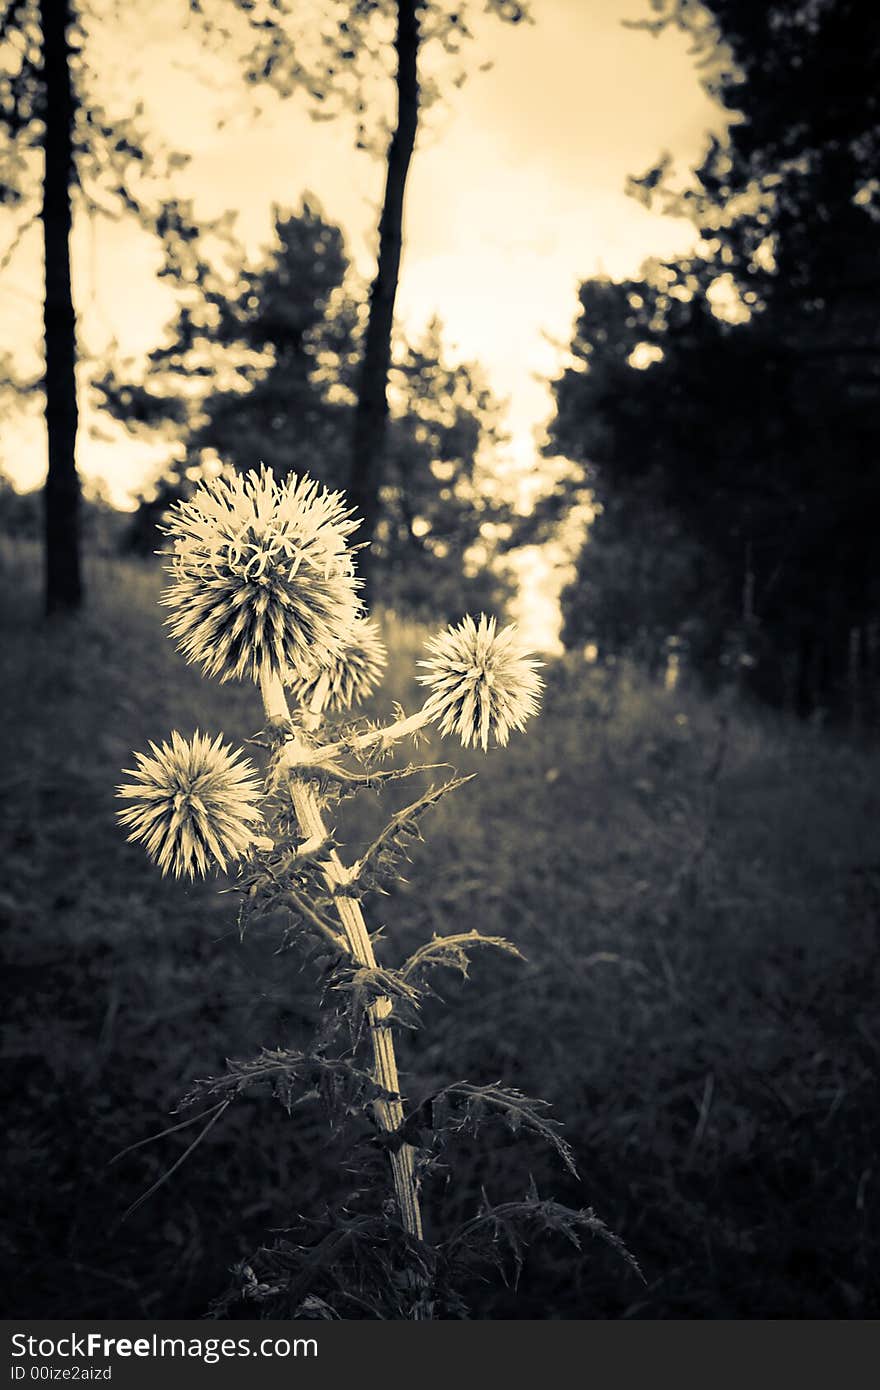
(632, 402)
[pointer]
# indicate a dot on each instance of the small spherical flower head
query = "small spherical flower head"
(194, 804)
(262, 577)
(349, 677)
(481, 680)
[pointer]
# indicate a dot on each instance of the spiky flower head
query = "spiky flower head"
(481, 680)
(349, 677)
(262, 579)
(194, 804)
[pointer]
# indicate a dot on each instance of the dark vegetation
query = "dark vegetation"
(722, 408)
(697, 892)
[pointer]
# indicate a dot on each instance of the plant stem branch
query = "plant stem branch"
(389, 1114)
(308, 757)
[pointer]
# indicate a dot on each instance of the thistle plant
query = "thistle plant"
(195, 804)
(262, 586)
(337, 683)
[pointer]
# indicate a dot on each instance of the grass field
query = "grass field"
(696, 889)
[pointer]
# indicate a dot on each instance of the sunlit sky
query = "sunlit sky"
(516, 194)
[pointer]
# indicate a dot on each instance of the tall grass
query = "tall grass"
(696, 889)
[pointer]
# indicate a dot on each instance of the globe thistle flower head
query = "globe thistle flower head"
(349, 677)
(262, 577)
(193, 804)
(481, 681)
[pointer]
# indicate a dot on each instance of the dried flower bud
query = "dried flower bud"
(194, 804)
(262, 579)
(481, 681)
(348, 678)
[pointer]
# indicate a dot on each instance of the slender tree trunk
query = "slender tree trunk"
(63, 581)
(371, 413)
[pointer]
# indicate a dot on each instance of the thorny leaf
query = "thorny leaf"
(292, 876)
(500, 1235)
(364, 984)
(463, 1107)
(295, 1077)
(268, 871)
(333, 776)
(451, 952)
(377, 752)
(381, 859)
(354, 1265)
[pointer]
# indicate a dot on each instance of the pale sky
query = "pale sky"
(516, 194)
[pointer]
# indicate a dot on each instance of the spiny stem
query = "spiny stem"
(384, 737)
(389, 1114)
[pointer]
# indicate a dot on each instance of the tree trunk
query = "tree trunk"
(371, 412)
(63, 581)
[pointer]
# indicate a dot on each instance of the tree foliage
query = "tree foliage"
(726, 403)
(265, 365)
